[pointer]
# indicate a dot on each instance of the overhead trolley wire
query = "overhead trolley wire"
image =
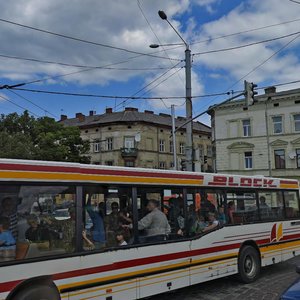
(83, 41)
(245, 31)
(246, 45)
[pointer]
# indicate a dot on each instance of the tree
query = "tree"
(25, 137)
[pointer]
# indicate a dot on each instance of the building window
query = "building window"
(109, 163)
(162, 146)
(162, 165)
(209, 151)
(248, 160)
(109, 143)
(171, 146)
(171, 165)
(279, 159)
(181, 148)
(129, 142)
(298, 157)
(96, 147)
(277, 124)
(297, 122)
(129, 163)
(246, 127)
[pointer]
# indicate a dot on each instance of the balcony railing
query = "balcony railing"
(129, 152)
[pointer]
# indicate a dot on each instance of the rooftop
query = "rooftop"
(129, 115)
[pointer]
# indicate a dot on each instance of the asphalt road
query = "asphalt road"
(272, 282)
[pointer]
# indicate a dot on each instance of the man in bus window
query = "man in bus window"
(262, 202)
(9, 210)
(7, 241)
(212, 222)
(112, 224)
(155, 223)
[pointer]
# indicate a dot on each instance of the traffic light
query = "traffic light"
(249, 92)
(183, 165)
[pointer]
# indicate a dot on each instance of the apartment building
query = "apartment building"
(140, 139)
(260, 139)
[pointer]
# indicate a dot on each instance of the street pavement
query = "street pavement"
(272, 282)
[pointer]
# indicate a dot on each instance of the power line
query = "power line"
(79, 66)
(259, 65)
(43, 109)
(12, 102)
(82, 40)
(143, 88)
(295, 1)
(247, 45)
(110, 96)
(245, 31)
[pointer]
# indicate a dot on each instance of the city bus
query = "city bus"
(258, 224)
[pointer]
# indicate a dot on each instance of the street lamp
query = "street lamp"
(188, 95)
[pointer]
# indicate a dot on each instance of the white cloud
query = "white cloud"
(252, 14)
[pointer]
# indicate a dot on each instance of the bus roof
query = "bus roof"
(48, 171)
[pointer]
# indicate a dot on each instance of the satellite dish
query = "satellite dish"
(292, 155)
(137, 137)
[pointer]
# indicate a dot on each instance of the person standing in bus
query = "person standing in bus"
(230, 211)
(7, 241)
(97, 230)
(9, 210)
(155, 223)
(112, 224)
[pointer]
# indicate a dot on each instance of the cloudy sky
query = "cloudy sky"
(99, 47)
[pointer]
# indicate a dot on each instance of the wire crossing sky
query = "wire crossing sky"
(53, 51)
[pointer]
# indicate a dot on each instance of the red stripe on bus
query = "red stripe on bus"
(61, 169)
(7, 286)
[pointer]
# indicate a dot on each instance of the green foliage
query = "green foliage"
(24, 137)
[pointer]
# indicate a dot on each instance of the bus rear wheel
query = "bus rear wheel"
(37, 292)
(248, 264)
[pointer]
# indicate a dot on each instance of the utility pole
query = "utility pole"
(188, 95)
(174, 137)
(189, 111)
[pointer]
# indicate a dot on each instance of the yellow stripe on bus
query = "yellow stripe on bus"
(289, 186)
(97, 178)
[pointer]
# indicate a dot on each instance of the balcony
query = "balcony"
(129, 152)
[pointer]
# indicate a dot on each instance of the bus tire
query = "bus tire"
(37, 292)
(248, 264)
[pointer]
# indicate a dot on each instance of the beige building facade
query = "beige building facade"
(260, 139)
(140, 139)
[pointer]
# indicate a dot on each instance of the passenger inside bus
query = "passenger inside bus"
(7, 241)
(97, 229)
(155, 224)
(230, 211)
(212, 222)
(37, 233)
(9, 210)
(112, 224)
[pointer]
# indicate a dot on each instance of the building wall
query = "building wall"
(231, 145)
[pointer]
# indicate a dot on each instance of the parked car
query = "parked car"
(293, 292)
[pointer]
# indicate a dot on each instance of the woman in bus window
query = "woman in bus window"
(230, 211)
(213, 222)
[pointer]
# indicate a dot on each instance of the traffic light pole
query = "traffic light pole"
(189, 111)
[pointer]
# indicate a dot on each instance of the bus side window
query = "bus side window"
(270, 205)
(241, 207)
(291, 204)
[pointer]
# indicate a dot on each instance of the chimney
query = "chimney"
(91, 113)
(63, 117)
(164, 115)
(149, 112)
(80, 117)
(131, 109)
(108, 110)
(270, 90)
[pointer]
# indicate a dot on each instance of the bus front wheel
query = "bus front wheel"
(37, 292)
(248, 264)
